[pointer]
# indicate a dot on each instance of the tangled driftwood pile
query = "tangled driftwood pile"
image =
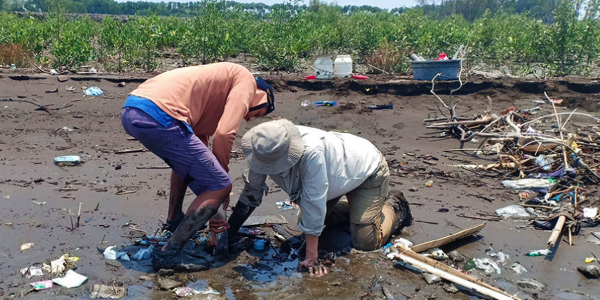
(552, 161)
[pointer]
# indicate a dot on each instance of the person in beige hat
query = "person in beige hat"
(316, 168)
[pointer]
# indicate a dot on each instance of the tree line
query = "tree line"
(469, 9)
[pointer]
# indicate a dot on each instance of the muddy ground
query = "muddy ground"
(91, 128)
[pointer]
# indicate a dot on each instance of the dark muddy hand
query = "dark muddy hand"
(313, 266)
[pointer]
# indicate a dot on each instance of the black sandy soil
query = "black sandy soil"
(31, 139)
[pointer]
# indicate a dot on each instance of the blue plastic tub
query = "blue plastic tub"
(427, 69)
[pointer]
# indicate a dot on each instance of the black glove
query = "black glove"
(174, 223)
(240, 214)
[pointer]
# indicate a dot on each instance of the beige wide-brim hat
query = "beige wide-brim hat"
(272, 147)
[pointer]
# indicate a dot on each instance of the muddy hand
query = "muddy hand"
(217, 226)
(314, 267)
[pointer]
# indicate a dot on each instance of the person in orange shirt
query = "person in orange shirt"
(173, 115)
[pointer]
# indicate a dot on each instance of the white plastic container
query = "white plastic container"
(324, 67)
(343, 66)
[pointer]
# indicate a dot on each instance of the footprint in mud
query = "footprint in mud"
(399, 126)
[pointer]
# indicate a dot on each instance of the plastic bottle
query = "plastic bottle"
(538, 252)
(470, 264)
(221, 249)
(68, 160)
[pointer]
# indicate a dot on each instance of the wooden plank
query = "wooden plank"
(448, 239)
(265, 220)
(435, 267)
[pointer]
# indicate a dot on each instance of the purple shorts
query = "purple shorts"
(183, 151)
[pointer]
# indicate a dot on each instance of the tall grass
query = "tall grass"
(290, 34)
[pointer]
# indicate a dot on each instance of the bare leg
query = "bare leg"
(177, 193)
(200, 211)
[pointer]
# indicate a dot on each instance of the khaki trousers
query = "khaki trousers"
(371, 222)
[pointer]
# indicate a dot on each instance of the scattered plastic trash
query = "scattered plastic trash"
(500, 256)
(42, 285)
(53, 72)
(545, 162)
(143, 253)
(310, 77)
(111, 253)
(284, 205)
(455, 256)
(342, 67)
(590, 212)
(437, 254)
(384, 106)
(470, 264)
(531, 284)
(450, 288)
(13, 66)
(324, 67)
(513, 211)
(70, 88)
(26, 246)
(416, 57)
(67, 160)
(541, 252)
(184, 291)
(305, 103)
(7, 197)
(442, 56)
(534, 184)
(431, 278)
(404, 242)
(108, 292)
(32, 271)
(518, 269)
(259, 244)
(589, 260)
(487, 265)
(94, 91)
(324, 103)
(591, 271)
(429, 183)
(360, 77)
(93, 70)
(202, 287)
(57, 266)
(70, 280)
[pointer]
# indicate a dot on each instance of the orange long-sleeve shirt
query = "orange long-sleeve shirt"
(213, 99)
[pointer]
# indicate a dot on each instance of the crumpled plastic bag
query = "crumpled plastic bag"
(143, 253)
(94, 91)
(518, 268)
(111, 253)
(500, 256)
(71, 279)
(487, 265)
(513, 211)
(534, 184)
